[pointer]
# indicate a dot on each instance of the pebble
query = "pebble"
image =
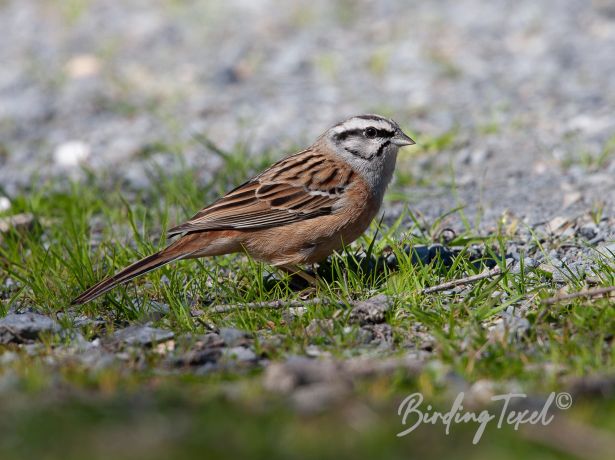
(370, 311)
(198, 357)
(293, 313)
(155, 311)
(5, 204)
(142, 335)
(589, 231)
(233, 337)
(297, 371)
(25, 327)
(320, 328)
(18, 222)
(71, 154)
(380, 335)
(239, 354)
(83, 65)
(509, 326)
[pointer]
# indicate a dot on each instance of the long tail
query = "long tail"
(140, 267)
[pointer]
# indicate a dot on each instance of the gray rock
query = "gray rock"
(294, 313)
(370, 311)
(529, 262)
(298, 371)
(509, 326)
(380, 335)
(16, 222)
(234, 337)
(25, 327)
(155, 311)
(320, 327)
(142, 335)
(198, 357)
(239, 354)
(96, 358)
(589, 231)
(79, 320)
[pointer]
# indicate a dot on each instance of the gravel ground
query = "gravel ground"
(524, 88)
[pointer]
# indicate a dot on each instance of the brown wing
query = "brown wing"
(298, 187)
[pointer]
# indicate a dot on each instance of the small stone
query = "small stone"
(25, 327)
(380, 335)
(234, 337)
(83, 65)
(297, 371)
(558, 225)
(293, 313)
(143, 335)
(18, 222)
(571, 198)
(5, 204)
(511, 326)
(83, 321)
(239, 354)
(155, 311)
(370, 311)
(555, 271)
(164, 348)
(320, 327)
(198, 357)
(589, 231)
(71, 153)
(529, 262)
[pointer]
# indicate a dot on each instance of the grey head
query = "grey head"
(369, 143)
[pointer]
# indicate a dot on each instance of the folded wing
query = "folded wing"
(299, 187)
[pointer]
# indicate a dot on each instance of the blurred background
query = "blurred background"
(515, 98)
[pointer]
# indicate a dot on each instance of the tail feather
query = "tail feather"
(140, 267)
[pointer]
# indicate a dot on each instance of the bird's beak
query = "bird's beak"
(400, 139)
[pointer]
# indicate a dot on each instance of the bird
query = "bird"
(296, 212)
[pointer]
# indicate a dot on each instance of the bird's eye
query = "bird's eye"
(370, 132)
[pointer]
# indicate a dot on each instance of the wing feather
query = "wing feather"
(299, 187)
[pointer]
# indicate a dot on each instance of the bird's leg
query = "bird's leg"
(295, 270)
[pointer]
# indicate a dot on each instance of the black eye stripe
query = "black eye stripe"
(384, 133)
(360, 132)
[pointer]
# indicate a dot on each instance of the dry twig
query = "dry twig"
(587, 293)
(458, 282)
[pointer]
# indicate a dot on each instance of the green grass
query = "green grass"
(87, 231)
